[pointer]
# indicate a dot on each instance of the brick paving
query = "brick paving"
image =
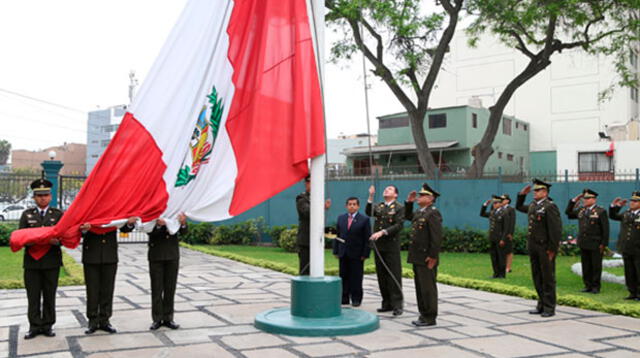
(217, 300)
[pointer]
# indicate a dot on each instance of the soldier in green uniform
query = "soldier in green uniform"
(593, 236)
(629, 241)
(164, 261)
(510, 219)
(497, 235)
(41, 276)
(426, 238)
(543, 239)
(303, 201)
(100, 263)
(389, 218)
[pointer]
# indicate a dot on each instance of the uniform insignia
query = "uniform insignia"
(29, 216)
(392, 212)
(382, 205)
(392, 206)
(594, 216)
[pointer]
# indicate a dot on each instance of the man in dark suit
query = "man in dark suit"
(389, 219)
(543, 239)
(164, 261)
(593, 236)
(510, 220)
(424, 251)
(352, 248)
(629, 241)
(100, 263)
(41, 275)
(497, 235)
(303, 201)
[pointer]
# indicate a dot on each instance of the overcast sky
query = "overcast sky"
(78, 54)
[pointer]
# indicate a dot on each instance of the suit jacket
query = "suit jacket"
(356, 237)
(53, 257)
(101, 248)
(304, 212)
(629, 237)
(389, 218)
(545, 224)
(593, 227)
(163, 246)
(426, 233)
(498, 226)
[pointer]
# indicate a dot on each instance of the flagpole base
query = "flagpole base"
(315, 311)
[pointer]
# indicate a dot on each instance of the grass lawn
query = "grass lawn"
(465, 265)
(11, 275)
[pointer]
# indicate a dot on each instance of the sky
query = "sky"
(61, 59)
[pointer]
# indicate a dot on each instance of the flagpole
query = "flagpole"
(316, 225)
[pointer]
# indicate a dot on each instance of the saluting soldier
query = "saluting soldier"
(543, 239)
(593, 236)
(497, 235)
(426, 238)
(629, 241)
(164, 261)
(389, 219)
(303, 201)
(100, 263)
(41, 275)
(510, 219)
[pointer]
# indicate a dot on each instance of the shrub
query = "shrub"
(199, 233)
(242, 233)
(275, 231)
(5, 232)
(288, 240)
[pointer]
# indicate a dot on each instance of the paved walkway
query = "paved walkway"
(217, 300)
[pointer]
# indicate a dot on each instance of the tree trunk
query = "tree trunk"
(422, 147)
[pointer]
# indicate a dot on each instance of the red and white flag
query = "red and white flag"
(226, 118)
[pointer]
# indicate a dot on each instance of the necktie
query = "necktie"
(41, 213)
(349, 221)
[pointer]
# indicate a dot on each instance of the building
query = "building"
(336, 159)
(451, 133)
(72, 155)
(562, 103)
(101, 126)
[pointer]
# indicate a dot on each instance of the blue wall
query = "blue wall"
(460, 201)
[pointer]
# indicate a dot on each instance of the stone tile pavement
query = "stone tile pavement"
(217, 300)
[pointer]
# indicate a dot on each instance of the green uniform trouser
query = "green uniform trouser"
(389, 290)
(426, 291)
(100, 280)
(632, 273)
(41, 288)
(591, 261)
(498, 259)
(543, 272)
(303, 259)
(164, 278)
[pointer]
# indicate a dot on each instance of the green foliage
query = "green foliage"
(275, 231)
(243, 233)
(199, 233)
(5, 150)
(5, 232)
(288, 239)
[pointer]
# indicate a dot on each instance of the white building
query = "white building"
(561, 103)
(102, 124)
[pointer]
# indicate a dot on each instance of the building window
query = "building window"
(594, 162)
(506, 126)
(524, 127)
(499, 155)
(510, 157)
(438, 120)
(394, 122)
(517, 123)
(94, 155)
(105, 142)
(634, 93)
(474, 120)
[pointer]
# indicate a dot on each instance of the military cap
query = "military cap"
(41, 187)
(496, 198)
(506, 197)
(539, 184)
(427, 190)
(635, 196)
(588, 194)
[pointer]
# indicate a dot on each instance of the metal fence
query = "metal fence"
(15, 194)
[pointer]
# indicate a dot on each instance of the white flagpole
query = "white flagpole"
(316, 225)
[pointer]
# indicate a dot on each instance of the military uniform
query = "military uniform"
(510, 226)
(389, 218)
(593, 233)
(100, 263)
(497, 235)
(302, 239)
(544, 233)
(629, 246)
(164, 261)
(426, 239)
(41, 276)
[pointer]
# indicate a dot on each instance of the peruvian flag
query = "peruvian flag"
(611, 150)
(227, 117)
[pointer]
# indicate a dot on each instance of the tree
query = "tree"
(5, 150)
(540, 29)
(406, 48)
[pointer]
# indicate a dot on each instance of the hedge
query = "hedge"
(5, 232)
